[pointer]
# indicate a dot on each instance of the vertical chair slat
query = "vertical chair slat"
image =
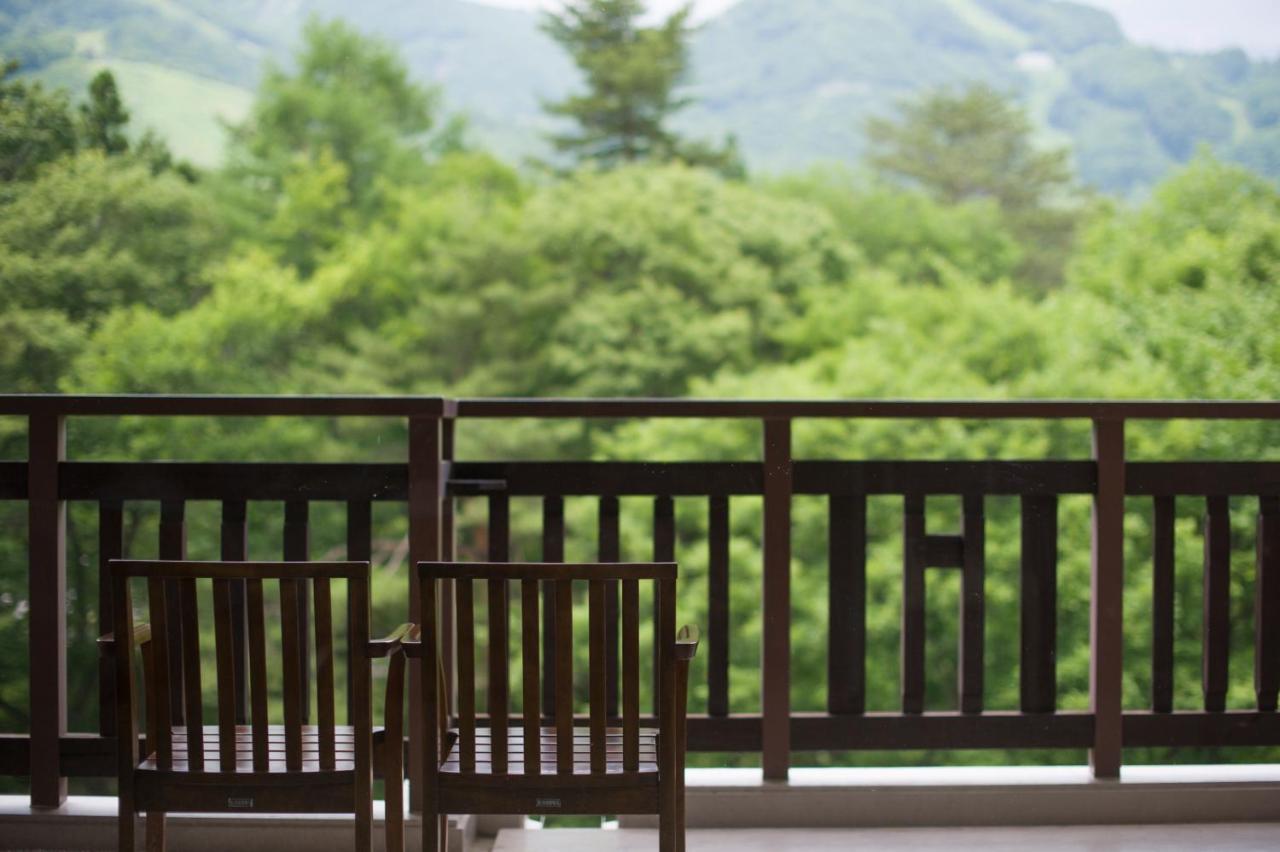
(359, 549)
(1217, 602)
(610, 551)
(664, 550)
(466, 676)
(1162, 578)
(160, 714)
(631, 675)
(324, 671)
(552, 551)
(499, 637)
(110, 546)
(912, 604)
(234, 548)
(972, 605)
(529, 655)
(229, 699)
(599, 698)
(1266, 652)
(1039, 603)
(191, 691)
(717, 606)
(297, 548)
(667, 744)
(362, 720)
(847, 602)
(173, 545)
(258, 671)
(564, 677)
(290, 605)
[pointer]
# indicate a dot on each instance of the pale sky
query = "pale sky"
(1175, 24)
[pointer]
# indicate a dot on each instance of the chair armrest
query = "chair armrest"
(141, 636)
(393, 642)
(687, 642)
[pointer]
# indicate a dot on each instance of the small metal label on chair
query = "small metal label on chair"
(240, 802)
(548, 803)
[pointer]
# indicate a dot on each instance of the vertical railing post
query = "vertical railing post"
(1106, 601)
(426, 491)
(47, 576)
(776, 652)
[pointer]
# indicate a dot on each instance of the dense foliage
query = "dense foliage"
(354, 244)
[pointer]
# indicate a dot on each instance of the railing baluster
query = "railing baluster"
(846, 603)
(717, 607)
(973, 605)
(913, 601)
(110, 546)
(1106, 601)
(1266, 652)
(47, 579)
(776, 641)
(1162, 577)
(1039, 688)
(552, 551)
(1217, 602)
(297, 548)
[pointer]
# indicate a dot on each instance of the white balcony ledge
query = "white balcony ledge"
(728, 807)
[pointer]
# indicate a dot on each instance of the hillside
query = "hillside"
(793, 79)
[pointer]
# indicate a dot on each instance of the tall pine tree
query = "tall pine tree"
(631, 73)
(104, 117)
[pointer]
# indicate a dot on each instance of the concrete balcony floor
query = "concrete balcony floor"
(1244, 837)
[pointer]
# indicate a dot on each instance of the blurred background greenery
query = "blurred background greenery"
(352, 231)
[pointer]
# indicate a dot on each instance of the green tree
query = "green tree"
(348, 94)
(36, 126)
(631, 74)
(103, 117)
(974, 144)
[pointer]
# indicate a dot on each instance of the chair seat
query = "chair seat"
(343, 748)
(548, 748)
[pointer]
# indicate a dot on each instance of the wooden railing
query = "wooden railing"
(431, 484)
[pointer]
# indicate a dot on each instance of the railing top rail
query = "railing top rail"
(1046, 409)
(217, 405)
(175, 405)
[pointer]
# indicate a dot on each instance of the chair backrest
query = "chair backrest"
(521, 750)
(173, 612)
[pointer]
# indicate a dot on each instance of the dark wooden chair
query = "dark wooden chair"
(546, 762)
(263, 767)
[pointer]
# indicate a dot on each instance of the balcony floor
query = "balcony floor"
(1245, 837)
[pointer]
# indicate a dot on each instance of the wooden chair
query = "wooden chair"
(547, 763)
(263, 767)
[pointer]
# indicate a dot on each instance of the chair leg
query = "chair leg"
(444, 833)
(431, 833)
(667, 827)
(364, 824)
(155, 831)
(126, 821)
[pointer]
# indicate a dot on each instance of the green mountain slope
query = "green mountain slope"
(793, 79)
